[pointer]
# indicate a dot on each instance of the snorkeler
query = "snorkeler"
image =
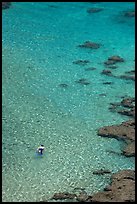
(40, 149)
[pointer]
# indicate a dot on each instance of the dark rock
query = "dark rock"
(94, 10)
(90, 45)
(113, 60)
(116, 58)
(109, 62)
(121, 189)
(124, 174)
(129, 14)
(129, 123)
(118, 131)
(130, 112)
(127, 77)
(82, 197)
(106, 72)
(128, 102)
(63, 85)
(64, 195)
(124, 131)
(130, 72)
(129, 150)
(83, 81)
(81, 62)
(6, 5)
(107, 82)
(90, 69)
(102, 172)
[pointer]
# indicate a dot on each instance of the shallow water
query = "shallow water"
(39, 46)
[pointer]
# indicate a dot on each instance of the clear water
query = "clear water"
(39, 45)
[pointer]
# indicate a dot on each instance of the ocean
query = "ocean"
(45, 102)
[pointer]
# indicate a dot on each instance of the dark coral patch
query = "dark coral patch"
(106, 72)
(116, 58)
(81, 62)
(83, 81)
(91, 45)
(113, 60)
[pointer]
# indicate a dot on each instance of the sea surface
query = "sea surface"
(39, 45)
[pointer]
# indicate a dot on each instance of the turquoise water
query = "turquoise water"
(39, 46)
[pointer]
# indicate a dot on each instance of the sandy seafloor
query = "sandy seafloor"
(39, 45)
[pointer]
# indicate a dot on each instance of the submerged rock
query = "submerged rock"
(83, 81)
(130, 72)
(128, 102)
(113, 60)
(102, 171)
(81, 62)
(106, 72)
(125, 107)
(129, 150)
(116, 58)
(107, 82)
(129, 77)
(130, 112)
(90, 45)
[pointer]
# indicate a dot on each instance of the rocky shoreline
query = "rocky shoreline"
(121, 189)
(122, 183)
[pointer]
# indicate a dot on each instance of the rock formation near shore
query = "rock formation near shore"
(125, 107)
(120, 189)
(124, 131)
